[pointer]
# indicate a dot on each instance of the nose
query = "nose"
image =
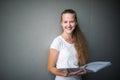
(68, 24)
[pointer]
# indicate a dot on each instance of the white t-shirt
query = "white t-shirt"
(66, 57)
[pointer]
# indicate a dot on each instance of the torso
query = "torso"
(66, 57)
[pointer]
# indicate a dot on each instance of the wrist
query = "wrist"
(66, 73)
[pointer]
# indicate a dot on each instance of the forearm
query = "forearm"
(58, 72)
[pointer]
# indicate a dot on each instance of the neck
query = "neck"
(67, 37)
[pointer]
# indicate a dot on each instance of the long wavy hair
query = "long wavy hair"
(80, 42)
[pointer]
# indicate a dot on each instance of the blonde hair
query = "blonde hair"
(80, 42)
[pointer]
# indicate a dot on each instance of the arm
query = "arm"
(52, 59)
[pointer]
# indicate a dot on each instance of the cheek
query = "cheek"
(73, 25)
(63, 25)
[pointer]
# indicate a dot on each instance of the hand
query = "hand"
(78, 72)
(82, 71)
(66, 73)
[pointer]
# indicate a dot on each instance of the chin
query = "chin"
(69, 32)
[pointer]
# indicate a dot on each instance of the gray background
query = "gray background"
(28, 27)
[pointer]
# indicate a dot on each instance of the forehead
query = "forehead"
(68, 16)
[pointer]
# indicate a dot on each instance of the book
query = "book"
(90, 67)
(96, 66)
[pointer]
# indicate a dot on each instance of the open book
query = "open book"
(91, 67)
(96, 66)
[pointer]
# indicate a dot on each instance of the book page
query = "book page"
(96, 66)
(90, 67)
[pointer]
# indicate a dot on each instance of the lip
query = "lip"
(69, 28)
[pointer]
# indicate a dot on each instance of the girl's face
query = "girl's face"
(68, 22)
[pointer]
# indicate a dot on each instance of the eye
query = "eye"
(65, 21)
(72, 21)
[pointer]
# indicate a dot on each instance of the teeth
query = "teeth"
(69, 28)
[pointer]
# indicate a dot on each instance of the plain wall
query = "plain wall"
(27, 29)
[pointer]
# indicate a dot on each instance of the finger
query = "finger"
(83, 72)
(74, 73)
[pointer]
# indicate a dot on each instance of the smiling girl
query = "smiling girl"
(68, 50)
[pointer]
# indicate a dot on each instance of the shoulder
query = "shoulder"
(57, 39)
(56, 43)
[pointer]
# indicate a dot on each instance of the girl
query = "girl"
(68, 50)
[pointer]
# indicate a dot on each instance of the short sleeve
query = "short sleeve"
(55, 44)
